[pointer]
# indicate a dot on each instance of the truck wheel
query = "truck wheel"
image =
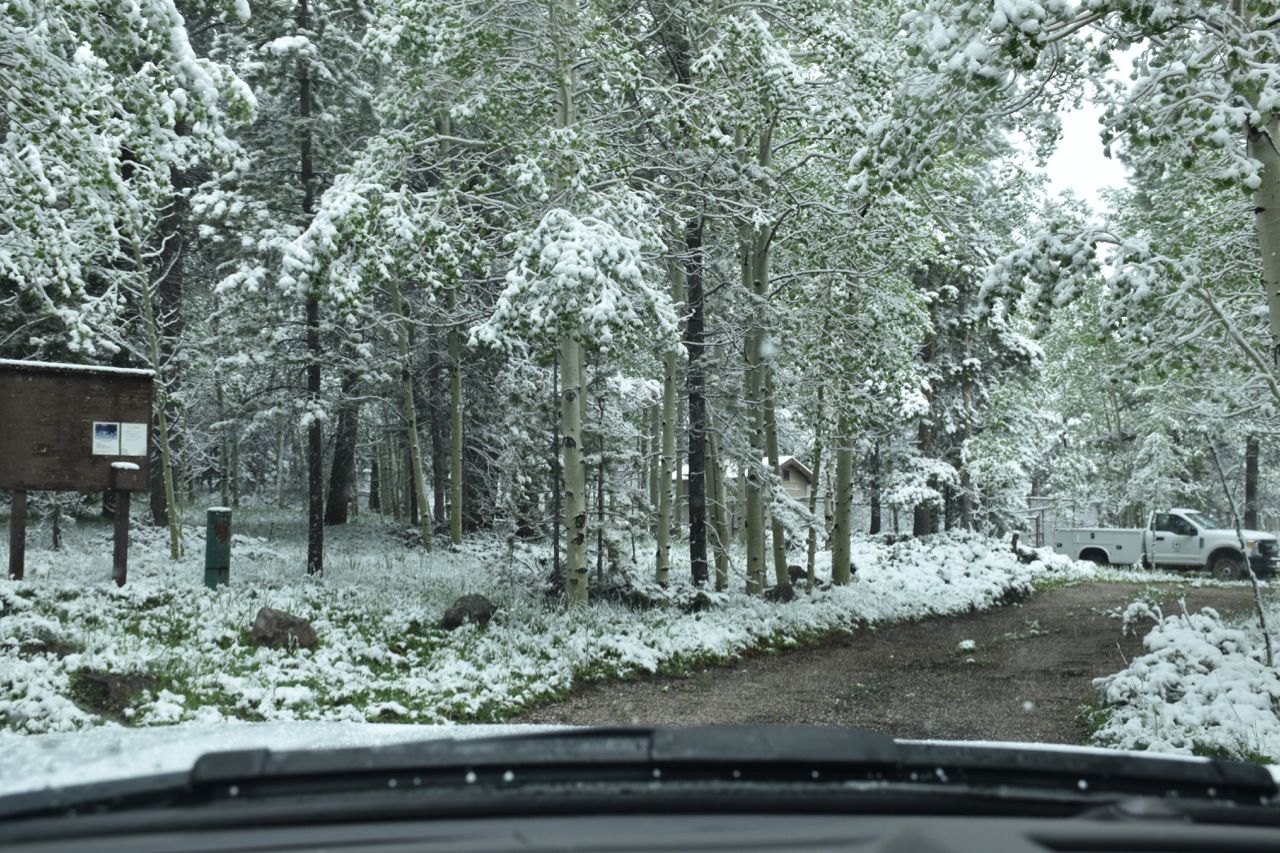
(1095, 556)
(1227, 569)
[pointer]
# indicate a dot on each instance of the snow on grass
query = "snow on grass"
(173, 651)
(1203, 687)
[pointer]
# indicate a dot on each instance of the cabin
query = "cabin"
(797, 481)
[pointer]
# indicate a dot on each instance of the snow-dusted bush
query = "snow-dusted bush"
(1202, 687)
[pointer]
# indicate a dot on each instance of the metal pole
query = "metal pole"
(18, 534)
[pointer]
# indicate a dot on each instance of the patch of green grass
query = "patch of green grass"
(109, 694)
(1048, 582)
(1032, 629)
(1094, 715)
(1219, 751)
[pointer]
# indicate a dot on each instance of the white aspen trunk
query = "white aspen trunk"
(1266, 205)
(280, 466)
(777, 532)
(444, 126)
(575, 475)
(235, 471)
(355, 483)
(755, 269)
(814, 487)
(224, 463)
(655, 465)
(719, 513)
(668, 473)
(679, 479)
(662, 567)
(753, 521)
(840, 563)
(411, 418)
(455, 426)
(161, 403)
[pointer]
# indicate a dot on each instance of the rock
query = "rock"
(783, 593)
(797, 574)
(277, 629)
(109, 693)
(469, 608)
(698, 603)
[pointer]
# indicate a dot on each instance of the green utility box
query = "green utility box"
(217, 547)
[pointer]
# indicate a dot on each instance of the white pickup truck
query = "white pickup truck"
(1176, 539)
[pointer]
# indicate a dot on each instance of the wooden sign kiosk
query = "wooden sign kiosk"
(71, 427)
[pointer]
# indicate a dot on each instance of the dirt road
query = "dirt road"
(1031, 668)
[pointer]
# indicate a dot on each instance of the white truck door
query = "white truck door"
(1174, 541)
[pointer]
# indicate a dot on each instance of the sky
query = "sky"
(1079, 163)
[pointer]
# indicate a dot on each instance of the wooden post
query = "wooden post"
(120, 545)
(18, 534)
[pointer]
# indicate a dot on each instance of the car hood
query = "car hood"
(110, 753)
(114, 753)
(1256, 535)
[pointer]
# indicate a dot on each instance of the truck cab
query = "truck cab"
(1189, 539)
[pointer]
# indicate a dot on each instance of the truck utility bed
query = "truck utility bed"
(1100, 544)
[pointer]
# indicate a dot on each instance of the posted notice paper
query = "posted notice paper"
(133, 439)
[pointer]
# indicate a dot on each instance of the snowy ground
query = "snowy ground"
(1203, 687)
(381, 656)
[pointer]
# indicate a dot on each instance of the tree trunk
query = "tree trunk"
(922, 519)
(342, 467)
(753, 522)
(755, 245)
(375, 496)
(668, 474)
(1251, 451)
(355, 482)
(435, 424)
(418, 488)
(778, 532)
(655, 465)
(719, 513)
(697, 404)
(679, 482)
(600, 475)
(169, 274)
(754, 510)
(840, 562)
(662, 567)
(966, 480)
(280, 434)
(235, 472)
(557, 482)
(455, 425)
(875, 490)
(1266, 206)
(161, 401)
(814, 485)
(224, 450)
(56, 530)
(575, 479)
(315, 436)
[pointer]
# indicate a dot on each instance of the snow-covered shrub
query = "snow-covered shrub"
(1202, 687)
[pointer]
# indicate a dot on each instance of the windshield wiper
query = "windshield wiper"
(824, 769)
